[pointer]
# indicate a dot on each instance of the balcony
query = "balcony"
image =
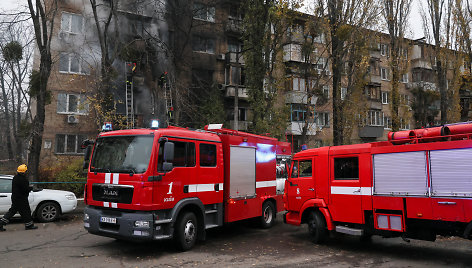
(374, 54)
(371, 132)
(421, 63)
(375, 104)
(295, 128)
(299, 97)
(233, 25)
(242, 125)
(234, 58)
(231, 89)
(423, 85)
(375, 79)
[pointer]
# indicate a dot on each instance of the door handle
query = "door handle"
(311, 189)
(357, 191)
(3, 196)
(446, 203)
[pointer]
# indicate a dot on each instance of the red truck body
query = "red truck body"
(417, 185)
(216, 177)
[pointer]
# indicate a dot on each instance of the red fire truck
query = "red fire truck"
(153, 184)
(416, 185)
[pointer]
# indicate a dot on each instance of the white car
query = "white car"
(46, 205)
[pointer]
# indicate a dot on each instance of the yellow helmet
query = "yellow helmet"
(22, 168)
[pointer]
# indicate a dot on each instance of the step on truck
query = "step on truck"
(175, 183)
(416, 185)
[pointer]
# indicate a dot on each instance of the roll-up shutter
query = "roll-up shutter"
(242, 172)
(400, 174)
(451, 172)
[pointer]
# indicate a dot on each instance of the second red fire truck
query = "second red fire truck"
(416, 185)
(153, 184)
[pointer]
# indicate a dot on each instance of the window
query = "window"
(405, 99)
(184, 154)
(5, 186)
(72, 63)
(69, 144)
(346, 168)
(301, 169)
(384, 73)
(375, 118)
(343, 93)
(203, 44)
(203, 12)
(404, 124)
(387, 122)
(234, 46)
(298, 112)
(207, 155)
(72, 23)
(320, 39)
(404, 78)
(320, 64)
(384, 49)
(326, 92)
(384, 97)
(322, 119)
(298, 84)
(72, 103)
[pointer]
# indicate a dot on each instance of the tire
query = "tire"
(48, 212)
(317, 227)
(267, 218)
(186, 230)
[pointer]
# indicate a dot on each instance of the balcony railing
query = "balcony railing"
(233, 25)
(296, 128)
(242, 125)
(242, 92)
(299, 97)
(421, 63)
(234, 57)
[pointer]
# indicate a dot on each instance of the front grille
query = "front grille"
(112, 193)
(109, 226)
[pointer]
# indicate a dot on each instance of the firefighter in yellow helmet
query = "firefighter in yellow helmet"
(19, 200)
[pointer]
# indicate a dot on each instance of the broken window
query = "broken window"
(203, 44)
(203, 12)
(72, 23)
(72, 63)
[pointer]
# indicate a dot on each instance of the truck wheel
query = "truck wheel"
(317, 227)
(48, 212)
(186, 231)
(268, 215)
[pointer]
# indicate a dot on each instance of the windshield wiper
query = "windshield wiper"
(107, 170)
(127, 170)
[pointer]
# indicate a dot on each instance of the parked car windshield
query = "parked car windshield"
(122, 154)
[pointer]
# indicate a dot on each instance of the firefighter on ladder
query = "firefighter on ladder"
(19, 200)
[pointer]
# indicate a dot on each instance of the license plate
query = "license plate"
(108, 220)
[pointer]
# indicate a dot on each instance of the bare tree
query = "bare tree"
(344, 21)
(43, 14)
(395, 14)
(438, 14)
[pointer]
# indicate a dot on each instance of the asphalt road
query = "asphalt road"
(65, 243)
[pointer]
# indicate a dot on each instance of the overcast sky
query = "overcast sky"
(415, 18)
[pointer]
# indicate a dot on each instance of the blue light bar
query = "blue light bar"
(107, 126)
(154, 124)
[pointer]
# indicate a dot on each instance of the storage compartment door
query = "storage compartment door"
(242, 172)
(401, 174)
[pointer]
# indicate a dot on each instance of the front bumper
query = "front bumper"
(125, 228)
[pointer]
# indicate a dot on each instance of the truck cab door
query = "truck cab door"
(345, 199)
(301, 185)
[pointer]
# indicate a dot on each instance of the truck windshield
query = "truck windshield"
(122, 154)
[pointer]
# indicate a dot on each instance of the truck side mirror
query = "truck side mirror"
(167, 166)
(168, 151)
(87, 153)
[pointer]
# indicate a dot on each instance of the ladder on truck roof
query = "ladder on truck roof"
(129, 68)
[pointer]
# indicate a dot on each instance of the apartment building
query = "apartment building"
(200, 47)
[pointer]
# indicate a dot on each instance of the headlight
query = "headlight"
(70, 196)
(141, 224)
(86, 217)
